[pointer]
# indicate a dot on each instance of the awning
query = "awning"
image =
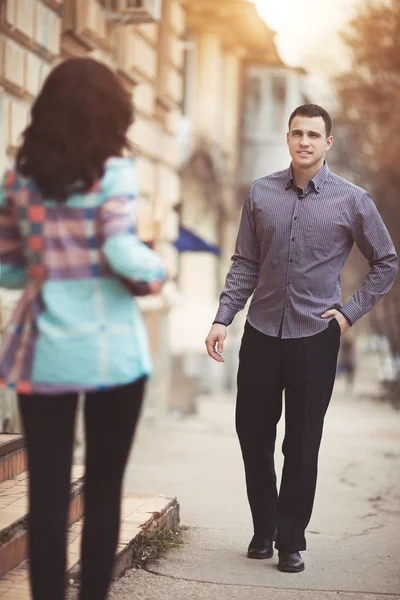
(190, 242)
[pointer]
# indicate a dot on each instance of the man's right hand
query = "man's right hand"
(215, 342)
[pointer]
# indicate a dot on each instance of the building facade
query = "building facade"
(223, 39)
(184, 62)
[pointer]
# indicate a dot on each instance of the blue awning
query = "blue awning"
(190, 242)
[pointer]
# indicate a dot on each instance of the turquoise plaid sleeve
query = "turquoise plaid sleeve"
(125, 253)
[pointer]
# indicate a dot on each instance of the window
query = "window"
(254, 98)
(278, 103)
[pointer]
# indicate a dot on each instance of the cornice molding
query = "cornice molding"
(237, 22)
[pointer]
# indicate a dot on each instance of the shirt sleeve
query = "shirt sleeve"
(127, 256)
(242, 278)
(373, 240)
(12, 261)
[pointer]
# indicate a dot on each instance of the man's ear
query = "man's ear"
(329, 143)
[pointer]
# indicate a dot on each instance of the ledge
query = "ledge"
(237, 22)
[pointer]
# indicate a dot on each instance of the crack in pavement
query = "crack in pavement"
(270, 587)
(369, 515)
(347, 482)
(364, 532)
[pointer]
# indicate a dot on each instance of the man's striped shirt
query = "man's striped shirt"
(291, 249)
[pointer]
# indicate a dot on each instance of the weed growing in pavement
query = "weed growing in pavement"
(148, 547)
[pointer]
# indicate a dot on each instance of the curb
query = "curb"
(166, 519)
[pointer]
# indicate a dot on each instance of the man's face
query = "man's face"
(307, 141)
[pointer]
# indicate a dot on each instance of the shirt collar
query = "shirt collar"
(317, 181)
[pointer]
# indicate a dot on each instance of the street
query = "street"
(354, 535)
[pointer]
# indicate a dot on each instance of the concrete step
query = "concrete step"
(140, 515)
(14, 514)
(13, 457)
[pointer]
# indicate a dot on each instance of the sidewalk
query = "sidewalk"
(354, 535)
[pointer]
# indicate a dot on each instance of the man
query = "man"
(296, 232)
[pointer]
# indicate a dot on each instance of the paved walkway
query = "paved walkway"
(354, 535)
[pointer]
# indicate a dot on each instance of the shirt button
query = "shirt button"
(295, 218)
(292, 239)
(291, 260)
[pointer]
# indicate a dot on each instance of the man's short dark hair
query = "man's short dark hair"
(313, 110)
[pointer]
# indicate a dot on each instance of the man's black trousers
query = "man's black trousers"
(305, 368)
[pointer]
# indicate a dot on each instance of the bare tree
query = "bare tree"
(369, 124)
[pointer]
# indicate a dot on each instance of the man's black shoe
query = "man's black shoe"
(260, 548)
(291, 563)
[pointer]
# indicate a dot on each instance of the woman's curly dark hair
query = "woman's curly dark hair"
(79, 119)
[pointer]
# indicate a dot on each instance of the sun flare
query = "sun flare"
(275, 13)
(307, 29)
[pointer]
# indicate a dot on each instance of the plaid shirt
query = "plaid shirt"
(291, 249)
(76, 326)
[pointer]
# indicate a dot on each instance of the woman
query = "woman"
(68, 238)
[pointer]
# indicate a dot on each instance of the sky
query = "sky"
(308, 31)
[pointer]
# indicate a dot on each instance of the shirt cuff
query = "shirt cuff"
(351, 311)
(220, 323)
(347, 318)
(224, 316)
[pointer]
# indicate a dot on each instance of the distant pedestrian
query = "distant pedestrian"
(68, 239)
(348, 361)
(297, 229)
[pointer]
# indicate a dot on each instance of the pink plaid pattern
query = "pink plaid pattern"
(91, 238)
